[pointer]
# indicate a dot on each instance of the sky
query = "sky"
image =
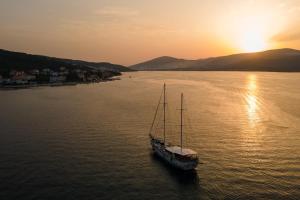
(131, 31)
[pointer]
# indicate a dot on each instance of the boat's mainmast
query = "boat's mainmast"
(181, 120)
(164, 113)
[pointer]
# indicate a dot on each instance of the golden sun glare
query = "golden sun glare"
(252, 35)
(252, 42)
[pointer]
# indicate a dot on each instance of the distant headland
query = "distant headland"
(277, 60)
(21, 70)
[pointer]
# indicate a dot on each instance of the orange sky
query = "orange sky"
(130, 31)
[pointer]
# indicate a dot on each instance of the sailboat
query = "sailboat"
(176, 156)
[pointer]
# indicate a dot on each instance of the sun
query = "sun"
(252, 41)
(251, 34)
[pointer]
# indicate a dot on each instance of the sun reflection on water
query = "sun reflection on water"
(251, 98)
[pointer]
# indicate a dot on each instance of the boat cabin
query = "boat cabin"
(182, 153)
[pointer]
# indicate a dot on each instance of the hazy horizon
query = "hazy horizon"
(128, 32)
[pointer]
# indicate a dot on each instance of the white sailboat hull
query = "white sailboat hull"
(160, 150)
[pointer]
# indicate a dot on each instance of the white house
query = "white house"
(46, 71)
(54, 74)
(55, 79)
(35, 72)
(29, 77)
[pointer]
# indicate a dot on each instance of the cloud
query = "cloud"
(116, 12)
(294, 9)
(286, 37)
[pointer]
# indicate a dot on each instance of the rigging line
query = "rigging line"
(189, 128)
(169, 117)
(185, 122)
(157, 124)
(155, 114)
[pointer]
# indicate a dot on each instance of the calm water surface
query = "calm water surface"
(91, 141)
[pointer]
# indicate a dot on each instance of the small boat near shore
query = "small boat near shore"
(175, 155)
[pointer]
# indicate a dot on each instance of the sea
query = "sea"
(91, 141)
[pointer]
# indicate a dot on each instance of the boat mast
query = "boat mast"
(164, 113)
(181, 125)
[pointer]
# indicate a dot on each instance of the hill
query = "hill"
(22, 61)
(165, 63)
(277, 60)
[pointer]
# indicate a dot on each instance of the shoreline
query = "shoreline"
(58, 84)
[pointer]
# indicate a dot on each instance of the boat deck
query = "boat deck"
(180, 151)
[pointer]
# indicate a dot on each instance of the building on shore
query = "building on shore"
(46, 71)
(57, 79)
(30, 77)
(35, 76)
(35, 72)
(18, 77)
(81, 76)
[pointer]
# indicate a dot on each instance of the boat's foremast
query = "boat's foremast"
(153, 122)
(164, 114)
(181, 121)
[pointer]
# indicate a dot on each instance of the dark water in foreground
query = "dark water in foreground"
(91, 142)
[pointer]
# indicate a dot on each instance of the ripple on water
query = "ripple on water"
(91, 141)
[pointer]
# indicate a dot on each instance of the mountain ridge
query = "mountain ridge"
(277, 60)
(25, 61)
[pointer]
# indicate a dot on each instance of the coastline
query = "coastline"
(57, 84)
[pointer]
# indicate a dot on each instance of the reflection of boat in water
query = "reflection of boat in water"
(177, 156)
(187, 177)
